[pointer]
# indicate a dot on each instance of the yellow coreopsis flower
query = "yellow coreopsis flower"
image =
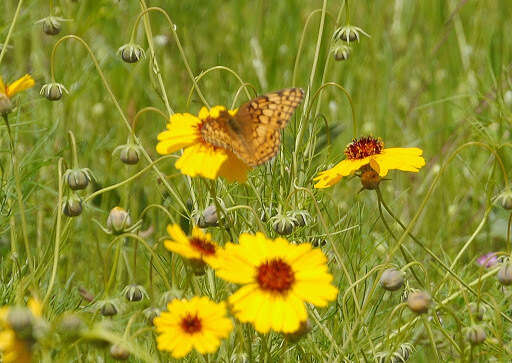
(370, 151)
(7, 92)
(200, 158)
(13, 348)
(199, 246)
(198, 323)
(278, 278)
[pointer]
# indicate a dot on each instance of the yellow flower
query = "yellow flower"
(199, 246)
(19, 85)
(277, 278)
(200, 157)
(370, 151)
(196, 323)
(12, 347)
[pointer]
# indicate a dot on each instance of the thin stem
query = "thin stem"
(9, 33)
(74, 154)
(57, 235)
(431, 336)
(147, 109)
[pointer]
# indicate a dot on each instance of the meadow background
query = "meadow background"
(432, 74)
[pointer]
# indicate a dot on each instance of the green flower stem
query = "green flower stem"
(160, 175)
(147, 109)
(257, 218)
(74, 154)
(431, 336)
(219, 209)
(9, 33)
(19, 193)
(113, 270)
(57, 234)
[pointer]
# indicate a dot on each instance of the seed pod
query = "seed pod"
(134, 293)
(477, 310)
(118, 220)
(392, 279)
(131, 53)
(53, 91)
(476, 334)
(419, 301)
(77, 179)
(119, 352)
(505, 274)
(108, 308)
(73, 206)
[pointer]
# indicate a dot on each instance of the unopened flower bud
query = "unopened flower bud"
(341, 52)
(20, 319)
(73, 206)
(134, 293)
(208, 218)
(53, 91)
(392, 279)
(403, 353)
(506, 199)
(77, 178)
(283, 224)
(348, 33)
(51, 25)
(151, 313)
(504, 275)
(5, 104)
(475, 334)
(302, 217)
(71, 324)
(419, 301)
(108, 308)
(118, 220)
(370, 179)
(119, 352)
(131, 53)
(128, 153)
(477, 310)
(304, 328)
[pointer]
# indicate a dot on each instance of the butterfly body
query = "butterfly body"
(253, 134)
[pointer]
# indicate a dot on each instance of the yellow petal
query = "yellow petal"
(346, 167)
(405, 159)
(201, 160)
(2, 87)
(19, 85)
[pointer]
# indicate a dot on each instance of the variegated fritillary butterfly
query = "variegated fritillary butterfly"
(254, 133)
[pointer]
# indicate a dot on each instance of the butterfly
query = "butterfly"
(253, 134)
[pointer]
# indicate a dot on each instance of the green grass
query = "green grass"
(433, 74)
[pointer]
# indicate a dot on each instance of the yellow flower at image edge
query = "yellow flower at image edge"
(19, 85)
(199, 157)
(370, 151)
(13, 348)
(198, 323)
(278, 278)
(199, 246)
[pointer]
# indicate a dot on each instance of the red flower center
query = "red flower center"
(191, 324)
(204, 247)
(363, 147)
(275, 276)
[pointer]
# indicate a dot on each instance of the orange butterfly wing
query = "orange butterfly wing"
(254, 133)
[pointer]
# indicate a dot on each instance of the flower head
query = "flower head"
(200, 157)
(196, 323)
(278, 278)
(370, 151)
(199, 246)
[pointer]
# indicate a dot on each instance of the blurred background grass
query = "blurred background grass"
(434, 74)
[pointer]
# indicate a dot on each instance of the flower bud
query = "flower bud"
(505, 274)
(20, 319)
(128, 153)
(77, 178)
(119, 352)
(402, 354)
(5, 104)
(51, 25)
(108, 308)
(283, 224)
(477, 310)
(341, 52)
(118, 220)
(134, 293)
(348, 33)
(392, 279)
(419, 301)
(131, 53)
(208, 218)
(53, 91)
(302, 217)
(506, 199)
(318, 242)
(71, 324)
(475, 334)
(73, 206)
(151, 313)
(304, 328)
